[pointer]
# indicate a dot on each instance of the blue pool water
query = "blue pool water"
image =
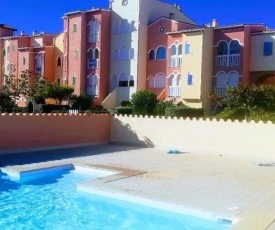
(51, 201)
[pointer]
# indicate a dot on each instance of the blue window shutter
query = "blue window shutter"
(268, 48)
(187, 48)
(190, 79)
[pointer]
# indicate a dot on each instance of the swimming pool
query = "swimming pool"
(49, 199)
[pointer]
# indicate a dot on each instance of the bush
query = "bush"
(184, 112)
(125, 104)
(231, 113)
(121, 110)
(144, 102)
(82, 102)
(55, 108)
(162, 106)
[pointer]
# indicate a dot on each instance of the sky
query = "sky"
(45, 15)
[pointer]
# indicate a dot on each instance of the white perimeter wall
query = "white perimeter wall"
(217, 137)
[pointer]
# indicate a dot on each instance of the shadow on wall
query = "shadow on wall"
(122, 133)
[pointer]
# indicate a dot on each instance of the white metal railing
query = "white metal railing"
(94, 37)
(173, 61)
(92, 90)
(93, 63)
(234, 60)
(174, 91)
(228, 60)
(73, 111)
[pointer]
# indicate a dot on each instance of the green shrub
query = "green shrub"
(144, 102)
(161, 106)
(121, 110)
(55, 108)
(231, 113)
(184, 112)
(125, 104)
(82, 102)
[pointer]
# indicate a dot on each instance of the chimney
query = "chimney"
(22, 33)
(171, 16)
(33, 32)
(214, 23)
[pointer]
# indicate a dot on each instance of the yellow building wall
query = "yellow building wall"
(259, 62)
(59, 52)
(199, 63)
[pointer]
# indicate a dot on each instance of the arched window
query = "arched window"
(161, 53)
(124, 27)
(114, 82)
(132, 53)
(92, 85)
(94, 30)
(173, 56)
(123, 54)
(221, 83)
(93, 62)
(160, 81)
(234, 47)
(172, 80)
(116, 28)
(115, 55)
(180, 55)
(187, 48)
(151, 82)
(74, 27)
(131, 81)
(223, 48)
(123, 80)
(152, 55)
(233, 79)
(58, 61)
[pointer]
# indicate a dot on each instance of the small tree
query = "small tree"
(144, 102)
(57, 92)
(82, 102)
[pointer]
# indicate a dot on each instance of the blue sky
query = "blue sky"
(28, 15)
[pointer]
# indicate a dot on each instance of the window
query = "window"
(131, 81)
(74, 80)
(93, 58)
(23, 61)
(152, 55)
(268, 48)
(132, 53)
(234, 47)
(223, 48)
(76, 54)
(114, 82)
(59, 61)
(124, 27)
(180, 55)
(160, 81)
(92, 85)
(221, 83)
(151, 82)
(116, 28)
(161, 53)
(123, 54)
(12, 47)
(189, 79)
(123, 80)
(58, 81)
(4, 52)
(233, 79)
(74, 27)
(173, 56)
(94, 30)
(115, 55)
(187, 48)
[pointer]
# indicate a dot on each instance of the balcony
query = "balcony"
(92, 90)
(93, 63)
(174, 91)
(228, 60)
(93, 37)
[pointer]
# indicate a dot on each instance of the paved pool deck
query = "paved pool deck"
(229, 187)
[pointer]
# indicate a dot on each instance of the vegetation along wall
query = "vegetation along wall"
(23, 131)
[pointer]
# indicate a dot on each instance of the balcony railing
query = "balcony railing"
(93, 63)
(92, 90)
(175, 61)
(174, 91)
(94, 37)
(228, 60)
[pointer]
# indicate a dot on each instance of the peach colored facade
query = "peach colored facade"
(87, 52)
(52, 130)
